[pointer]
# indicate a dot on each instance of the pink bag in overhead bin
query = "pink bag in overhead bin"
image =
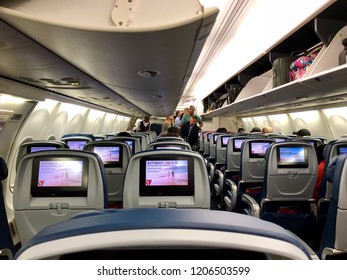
(300, 66)
(303, 62)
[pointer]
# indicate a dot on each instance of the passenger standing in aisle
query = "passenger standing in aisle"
(144, 125)
(187, 117)
(190, 132)
(167, 123)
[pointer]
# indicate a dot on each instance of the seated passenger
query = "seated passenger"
(172, 131)
(167, 123)
(303, 132)
(123, 133)
(255, 130)
(267, 129)
(222, 130)
(241, 130)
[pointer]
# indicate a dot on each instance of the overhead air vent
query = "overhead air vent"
(148, 73)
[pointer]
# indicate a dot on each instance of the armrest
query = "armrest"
(321, 201)
(254, 206)
(6, 253)
(210, 169)
(231, 200)
(219, 187)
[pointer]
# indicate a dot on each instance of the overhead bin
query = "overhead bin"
(137, 53)
(323, 82)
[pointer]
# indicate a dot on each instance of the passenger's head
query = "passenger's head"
(267, 129)
(255, 129)
(172, 131)
(178, 113)
(222, 130)
(241, 130)
(147, 118)
(193, 120)
(303, 132)
(191, 110)
(123, 133)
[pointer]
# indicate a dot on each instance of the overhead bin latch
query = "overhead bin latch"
(123, 12)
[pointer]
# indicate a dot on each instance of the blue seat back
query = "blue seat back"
(334, 239)
(149, 234)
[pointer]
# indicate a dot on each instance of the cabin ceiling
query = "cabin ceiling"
(128, 58)
(131, 63)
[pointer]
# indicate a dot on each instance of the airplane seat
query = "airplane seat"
(230, 177)
(332, 149)
(38, 145)
(145, 139)
(314, 141)
(201, 134)
(7, 248)
(156, 128)
(206, 145)
(166, 179)
(133, 142)
(115, 156)
(151, 135)
(251, 174)
(287, 193)
(167, 138)
(279, 138)
(164, 234)
(98, 137)
(142, 139)
(334, 239)
(219, 165)
(77, 134)
(76, 142)
(178, 145)
(211, 159)
(323, 139)
(53, 185)
(213, 144)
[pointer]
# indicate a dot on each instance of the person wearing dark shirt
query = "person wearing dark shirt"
(190, 132)
(144, 125)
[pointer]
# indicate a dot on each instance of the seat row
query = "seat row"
(59, 203)
(159, 179)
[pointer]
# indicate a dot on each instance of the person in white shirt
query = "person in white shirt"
(178, 119)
